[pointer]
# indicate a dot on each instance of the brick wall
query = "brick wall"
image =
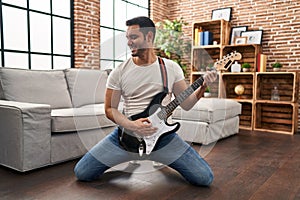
(87, 33)
(280, 20)
(159, 10)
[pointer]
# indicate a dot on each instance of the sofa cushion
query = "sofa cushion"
(35, 86)
(1, 91)
(204, 133)
(87, 86)
(84, 118)
(209, 110)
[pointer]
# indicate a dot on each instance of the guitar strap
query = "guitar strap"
(164, 75)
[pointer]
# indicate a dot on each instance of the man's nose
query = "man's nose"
(129, 42)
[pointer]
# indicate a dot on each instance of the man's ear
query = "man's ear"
(149, 36)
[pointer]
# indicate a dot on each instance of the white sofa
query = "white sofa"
(48, 117)
(209, 120)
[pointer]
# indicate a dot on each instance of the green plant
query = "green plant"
(210, 66)
(207, 89)
(171, 41)
(277, 65)
(246, 65)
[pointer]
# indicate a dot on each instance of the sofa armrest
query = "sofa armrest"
(25, 135)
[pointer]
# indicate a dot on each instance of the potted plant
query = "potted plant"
(207, 92)
(276, 66)
(210, 66)
(202, 68)
(246, 67)
(171, 42)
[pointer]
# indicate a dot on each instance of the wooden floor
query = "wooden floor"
(250, 165)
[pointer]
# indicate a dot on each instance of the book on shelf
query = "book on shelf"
(198, 36)
(201, 38)
(196, 31)
(261, 62)
(207, 38)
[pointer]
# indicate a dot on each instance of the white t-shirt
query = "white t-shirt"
(139, 84)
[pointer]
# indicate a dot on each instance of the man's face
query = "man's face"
(136, 40)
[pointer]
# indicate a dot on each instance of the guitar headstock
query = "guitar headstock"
(225, 63)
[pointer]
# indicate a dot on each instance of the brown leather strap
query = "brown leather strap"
(163, 71)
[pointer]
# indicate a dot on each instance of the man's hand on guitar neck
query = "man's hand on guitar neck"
(142, 127)
(210, 77)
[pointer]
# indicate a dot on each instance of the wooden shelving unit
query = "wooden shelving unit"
(276, 116)
(259, 112)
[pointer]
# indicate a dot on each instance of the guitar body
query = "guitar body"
(163, 127)
(130, 140)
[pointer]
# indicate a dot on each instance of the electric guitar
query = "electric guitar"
(158, 114)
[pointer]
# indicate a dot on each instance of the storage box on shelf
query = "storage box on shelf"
(203, 58)
(249, 53)
(286, 83)
(246, 117)
(276, 115)
(230, 81)
(214, 87)
(220, 30)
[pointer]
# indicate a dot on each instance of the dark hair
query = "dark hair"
(145, 23)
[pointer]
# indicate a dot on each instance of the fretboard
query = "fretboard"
(167, 110)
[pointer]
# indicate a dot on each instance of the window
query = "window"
(36, 34)
(113, 15)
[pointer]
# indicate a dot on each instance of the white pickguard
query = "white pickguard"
(161, 129)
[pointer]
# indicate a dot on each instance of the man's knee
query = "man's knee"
(81, 174)
(204, 179)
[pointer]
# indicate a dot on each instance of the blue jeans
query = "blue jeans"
(170, 150)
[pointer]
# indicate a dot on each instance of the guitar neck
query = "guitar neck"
(168, 110)
(219, 65)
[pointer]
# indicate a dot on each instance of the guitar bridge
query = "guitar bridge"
(141, 149)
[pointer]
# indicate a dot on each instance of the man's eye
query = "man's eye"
(133, 37)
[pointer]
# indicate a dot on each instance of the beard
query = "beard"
(138, 49)
(137, 52)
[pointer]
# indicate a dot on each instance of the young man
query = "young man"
(138, 80)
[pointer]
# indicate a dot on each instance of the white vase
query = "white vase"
(207, 94)
(235, 67)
